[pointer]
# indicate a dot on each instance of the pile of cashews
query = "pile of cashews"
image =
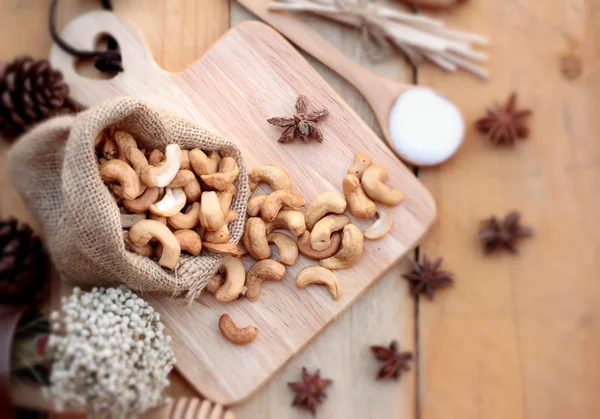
(322, 233)
(170, 201)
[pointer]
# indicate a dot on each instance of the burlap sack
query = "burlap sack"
(55, 169)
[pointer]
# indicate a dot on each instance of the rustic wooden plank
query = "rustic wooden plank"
(518, 336)
(385, 312)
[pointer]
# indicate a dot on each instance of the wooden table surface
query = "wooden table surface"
(516, 337)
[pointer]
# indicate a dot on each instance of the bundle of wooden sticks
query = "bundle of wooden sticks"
(417, 36)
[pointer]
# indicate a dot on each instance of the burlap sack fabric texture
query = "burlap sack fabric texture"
(55, 169)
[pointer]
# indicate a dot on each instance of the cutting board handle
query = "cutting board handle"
(140, 69)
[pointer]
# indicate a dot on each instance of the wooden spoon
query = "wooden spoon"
(420, 125)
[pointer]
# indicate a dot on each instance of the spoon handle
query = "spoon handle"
(369, 84)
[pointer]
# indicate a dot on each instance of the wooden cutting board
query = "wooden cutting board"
(250, 74)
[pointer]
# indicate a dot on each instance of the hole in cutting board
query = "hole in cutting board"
(85, 66)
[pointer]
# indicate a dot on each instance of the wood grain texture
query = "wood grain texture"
(519, 336)
(249, 75)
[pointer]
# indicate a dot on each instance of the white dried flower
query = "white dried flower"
(106, 359)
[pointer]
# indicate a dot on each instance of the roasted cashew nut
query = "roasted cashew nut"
(127, 220)
(222, 234)
(235, 276)
(192, 191)
(173, 202)
(323, 204)
(142, 203)
(155, 157)
(145, 250)
(372, 183)
(182, 178)
(358, 203)
(185, 160)
(306, 249)
(163, 173)
(136, 158)
(211, 216)
(351, 252)
(320, 236)
(203, 165)
(290, 220)
(278, 199)
(109, 149)
(120, 172)
(234, 334)
(214, 283)
(255, 238)
(286, 246)
(381, 226)
(254, 205)
(124, 141)
(143, 231)
(223, 248)
(263, 270)
(362, 160)
(318, 275)
(225, 198)
(274, 176)
(189, 241)
(188, 220)
(227, 174)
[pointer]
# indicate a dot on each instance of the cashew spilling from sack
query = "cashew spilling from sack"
(351, 252)
(290, 220)
(192, 191)
(286, 246)
(189, 241)
(142, 203)
(211, 216)
(264, 270)
(320, 236)
(117, 171)
(170, 205)
(306, 249)
(223, 248)
(228, 172)
(146, 250)
(143, 231)
(234, 334)
(222, 235)
(235, 276)
(276, 200)
(274, 176)
(323, 204)
(202, 164)
(317, 275)
(362, 160)
(214, 283)
(187, 220)
(155, 157)
(255, 238)
(381, 226)
(372, 182)
(254, 205)
(358, 203)
(163, 173)
(225, 198)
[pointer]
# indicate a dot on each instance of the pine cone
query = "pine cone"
(22, 264)
(30, 91)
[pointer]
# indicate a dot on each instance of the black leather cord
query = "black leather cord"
(105, 61)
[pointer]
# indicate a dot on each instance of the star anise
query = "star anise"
(505, 124)
(301, 124)
(310, 391)
(427, 277)
(396, 362)
(495, 233)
